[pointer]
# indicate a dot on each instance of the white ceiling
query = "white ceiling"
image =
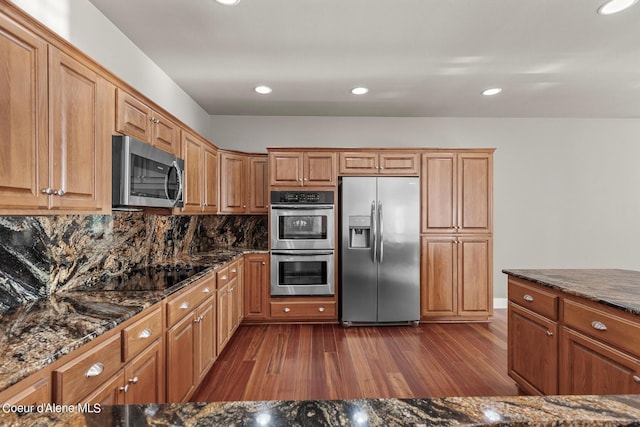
(420, 58)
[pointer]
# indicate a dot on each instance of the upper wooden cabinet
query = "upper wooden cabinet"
(243, 183)
(136, 119)
(201, 175)
(457, 193)
(302, 169)
(375, 163)
(24, 150)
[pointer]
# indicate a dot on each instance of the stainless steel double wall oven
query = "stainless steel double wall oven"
(302, 231)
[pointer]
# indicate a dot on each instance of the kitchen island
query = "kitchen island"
(452, 411)
(574, 331)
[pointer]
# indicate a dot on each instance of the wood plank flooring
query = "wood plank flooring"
(299, 362)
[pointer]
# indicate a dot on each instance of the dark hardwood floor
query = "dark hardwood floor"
(299, 362)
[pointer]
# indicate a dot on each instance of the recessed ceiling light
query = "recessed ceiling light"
(615, 6)
(228, 2)
(492, 91)
(263, 90)
(359, 90)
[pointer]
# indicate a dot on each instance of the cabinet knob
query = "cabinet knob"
(151, 119)
(94, 370)
(125, 388)
(145, 333)
(207, 290)
(264, 263)
(636, 378)
(321, 309)
(527, 298)
(598, 325)
(60, 192)
(286, 309)
(133, 380)
(234, 271)
(184, 305)
(47, 190)
(549, 333)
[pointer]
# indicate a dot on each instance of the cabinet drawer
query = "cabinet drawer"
(533, 298)
(607, 327)
(140, 334)
(77, 378)
(222, 276)
(233, 270)
(183, 303)
(303, 310)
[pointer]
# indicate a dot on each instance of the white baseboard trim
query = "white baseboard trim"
(499, 303)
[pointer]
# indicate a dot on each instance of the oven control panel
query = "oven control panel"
(302, 197)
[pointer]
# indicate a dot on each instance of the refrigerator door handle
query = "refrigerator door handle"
(373, 238)
(381, 225)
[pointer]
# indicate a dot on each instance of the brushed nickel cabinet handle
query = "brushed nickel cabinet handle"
(94, 370)
(528, 298)
(598, 325)
(264, 263)
(224, 277)
(47, 190)
(146, 333)
(184, 305)
(636, 378)
(321, 309)
(60, 192)
(133, 380)
(125, 388)
(286, 309)
(234, 271)
(549, 333)
(206, 290)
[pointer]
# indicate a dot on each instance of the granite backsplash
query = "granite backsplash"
(41, 255)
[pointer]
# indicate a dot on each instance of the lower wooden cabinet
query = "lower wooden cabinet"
(224, 317)
(533, 351)
(190, 351)
(256, 287)
(456, 277)
(33, 390)
(303, 309)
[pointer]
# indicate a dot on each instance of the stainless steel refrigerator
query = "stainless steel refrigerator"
(380, 250)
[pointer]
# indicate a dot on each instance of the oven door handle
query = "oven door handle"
(315, 253)
(300, 207)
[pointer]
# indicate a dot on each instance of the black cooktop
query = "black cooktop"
(154, 278)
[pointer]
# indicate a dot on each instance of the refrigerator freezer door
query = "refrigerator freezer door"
(399, 270)
(359, 292)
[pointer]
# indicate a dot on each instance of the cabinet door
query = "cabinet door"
(258, 185)
(320, 169)
(285, 169)
(24, 156)
(233, 307)
(78, 133)
(475, 275)
(358, 163)
(475, 193)
(165, 134)
(232, 183)
(206, 338)
(193, 165)
(133, 117)
(256, 286)
(439, 180)
(144, 376)
(210, 179)
(111, 392)
(405, 164)
(439, 287)
(590, 367)
(223, 317)
(180, 360)
(240, 299)
(532, 351)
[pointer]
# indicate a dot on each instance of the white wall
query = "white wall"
(89, 30)
(566, 191)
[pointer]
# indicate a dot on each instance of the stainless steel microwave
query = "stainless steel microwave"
(143, 175)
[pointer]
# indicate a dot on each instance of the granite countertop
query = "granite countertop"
(449, 411)
(616, 288)
(34, 335)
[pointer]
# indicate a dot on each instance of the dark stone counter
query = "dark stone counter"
(35, 334)
(451, 411)
(616, 288)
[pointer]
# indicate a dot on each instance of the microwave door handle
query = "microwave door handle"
(174, 164)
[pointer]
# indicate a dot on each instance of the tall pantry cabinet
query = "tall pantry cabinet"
(457, 235)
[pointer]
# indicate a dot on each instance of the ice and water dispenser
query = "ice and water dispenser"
(359, 231)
